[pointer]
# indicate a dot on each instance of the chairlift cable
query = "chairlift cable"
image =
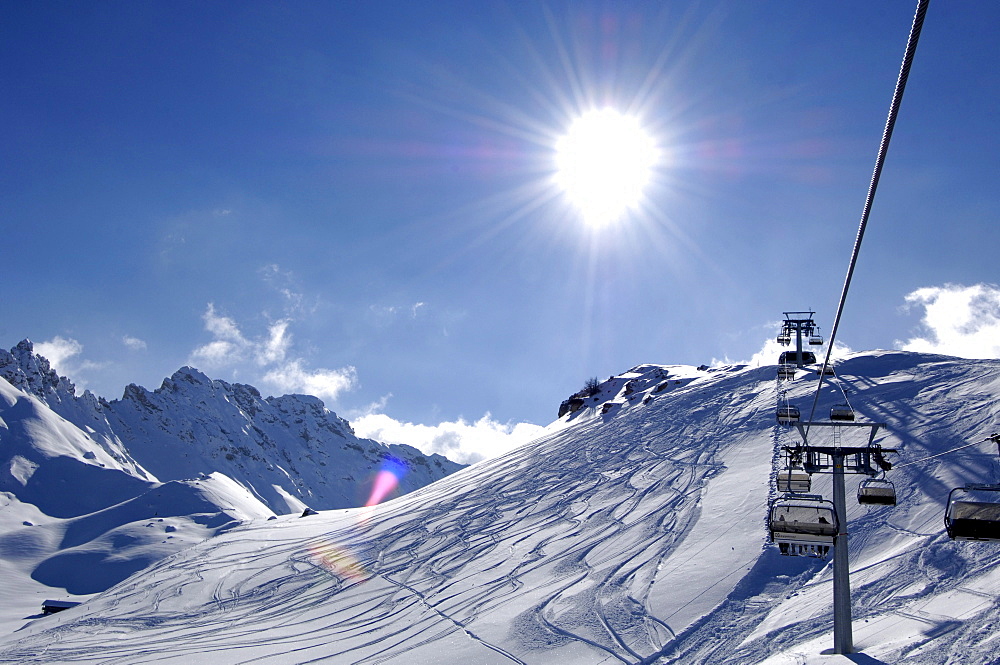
(897, 97)
(947, 452)
(840, 387)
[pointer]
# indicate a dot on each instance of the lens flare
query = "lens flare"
(386, 481)
(338, 561)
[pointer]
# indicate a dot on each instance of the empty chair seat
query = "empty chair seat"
(794, 357)
(973, 513)
(814, 520)
(793, 480)
(788, 414)
(842, 412)
(803, 526)
(877, 492)
(786, 371)
(971, 520)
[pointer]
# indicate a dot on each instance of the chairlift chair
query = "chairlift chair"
(788, 414)
(804, 525)
(786, 371)
(973, 513)
(877, 491)
(784, 339)
(792, 357)
(794, 480)
(816, 340)
(842, 412)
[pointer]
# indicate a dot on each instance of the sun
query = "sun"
(604, 163)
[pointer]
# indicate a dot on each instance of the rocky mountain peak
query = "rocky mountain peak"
(289, 451)
(32, 373)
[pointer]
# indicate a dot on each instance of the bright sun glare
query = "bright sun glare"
(604, 163)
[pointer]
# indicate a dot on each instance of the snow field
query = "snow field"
(632, 535)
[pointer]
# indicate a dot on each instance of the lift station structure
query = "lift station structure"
(799, 325)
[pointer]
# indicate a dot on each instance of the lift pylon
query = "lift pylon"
(840, 460)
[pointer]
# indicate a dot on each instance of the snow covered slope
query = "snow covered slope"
(80, 512)
(632, 533)
(77, 516)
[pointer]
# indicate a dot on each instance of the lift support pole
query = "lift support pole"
(861, 463)
(843, 640)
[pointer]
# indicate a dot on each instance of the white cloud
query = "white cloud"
(958, 320)
(134, 343)
(223, 327)
(459, 440)
(58, 350)
(326, 384)
(276, 345)
(217, 353)
(768, 354)
(269, 353)
(770, 350)
(230, 346)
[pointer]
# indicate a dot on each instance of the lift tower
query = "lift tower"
(840, 460)
(801, 325)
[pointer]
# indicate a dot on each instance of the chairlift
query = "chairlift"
(973, 513)
(784, 339)
(816, 340)
(788, 414)
(842, 412)
(794, 480)
(786, 371)
(806, 357)
(804, 525)
(877, 491)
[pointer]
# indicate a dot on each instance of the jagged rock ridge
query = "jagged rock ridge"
(287, 451)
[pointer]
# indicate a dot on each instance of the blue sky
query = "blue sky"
(355, 199)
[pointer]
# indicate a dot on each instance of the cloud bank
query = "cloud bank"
(770, 350)
(461, 441)
(957, 320)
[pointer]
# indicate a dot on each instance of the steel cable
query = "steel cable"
(897, 97)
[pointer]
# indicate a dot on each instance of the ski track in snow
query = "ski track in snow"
(632, 536)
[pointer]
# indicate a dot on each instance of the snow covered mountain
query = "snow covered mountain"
(288, 451)
(633, 532)
(92, 491)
